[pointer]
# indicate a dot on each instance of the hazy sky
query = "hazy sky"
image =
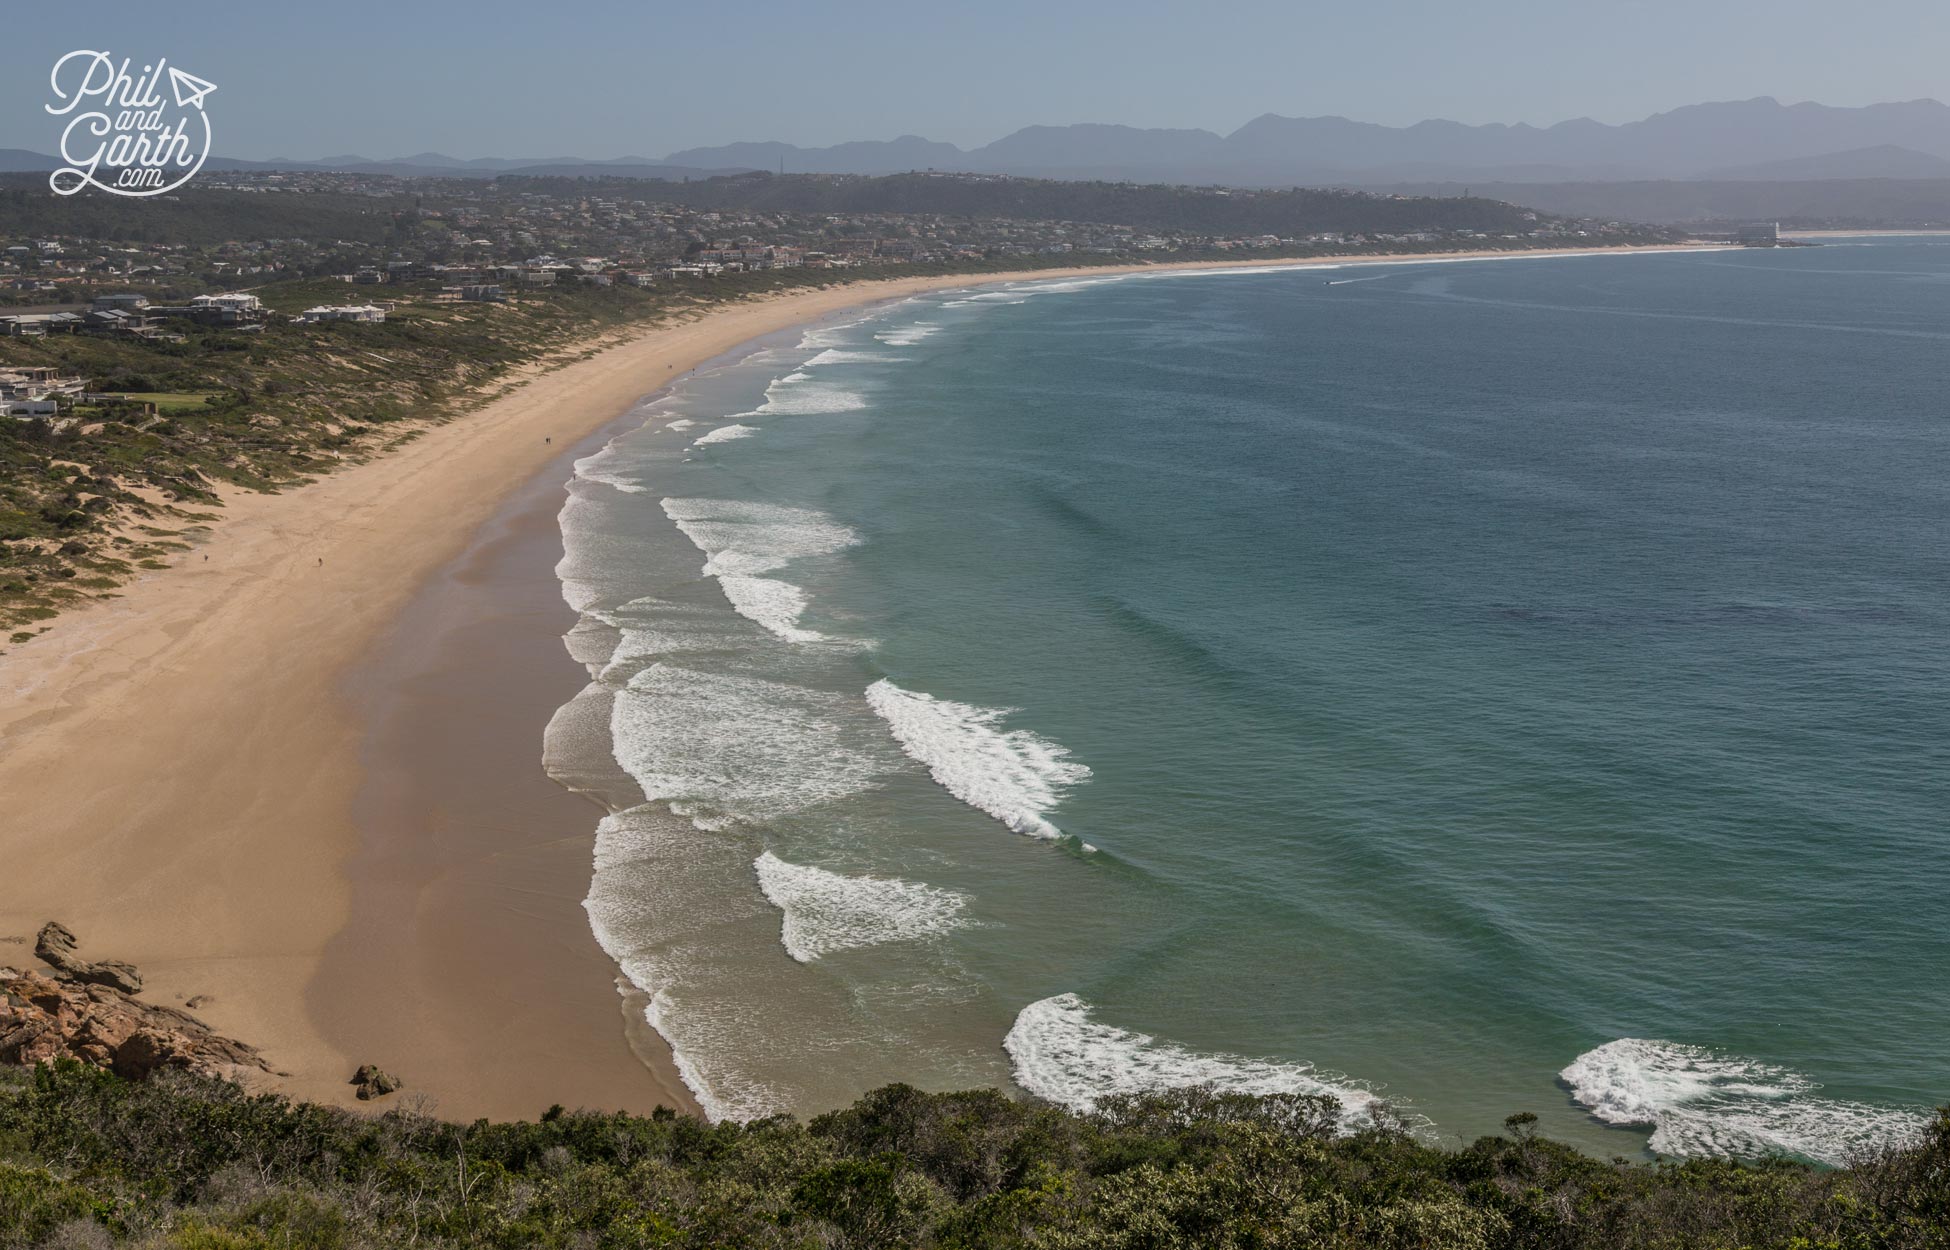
(605, 78)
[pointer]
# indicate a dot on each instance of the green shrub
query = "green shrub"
(188, 1163)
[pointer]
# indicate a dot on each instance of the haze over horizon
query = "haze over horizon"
(387, 81)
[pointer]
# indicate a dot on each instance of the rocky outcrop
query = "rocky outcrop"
(373, 1082)
(74, 1013)
(56, 946)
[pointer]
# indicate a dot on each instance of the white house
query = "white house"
(342, 312)
(232, 302)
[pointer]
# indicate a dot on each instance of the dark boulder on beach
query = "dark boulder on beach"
(374, 1082)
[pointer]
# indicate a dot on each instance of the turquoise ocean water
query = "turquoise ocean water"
(1485, 686)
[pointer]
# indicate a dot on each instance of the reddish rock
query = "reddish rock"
(73, 1015)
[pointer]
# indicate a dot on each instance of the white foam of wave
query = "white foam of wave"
(743, 540)
(722, 748)
(750, 537)
(681, 423)
(800, 394)
(985, 301)
(649, 629)
(775, 604)
(908, 335)
(1012, 774)
(1698, 1101)
(1075, 284)
(826, 911)
(839, 356)
(626, 851)
(1062, 1053)
(819, 337)
(591, 469)
(1229, 272)
(725, 434)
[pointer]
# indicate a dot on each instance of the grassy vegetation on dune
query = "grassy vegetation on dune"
(87, 1160)
(257, 411)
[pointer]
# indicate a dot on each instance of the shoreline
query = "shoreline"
(187, 764)
(467, 885)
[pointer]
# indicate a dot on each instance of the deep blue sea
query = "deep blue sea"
(1469, 686)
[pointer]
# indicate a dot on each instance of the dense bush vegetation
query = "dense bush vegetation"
(1192, 210)
(193, 215)
(89, 1160)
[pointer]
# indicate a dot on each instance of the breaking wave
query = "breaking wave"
(1698, 1101)
(840, 356)
(799, 394)
(589, 470)
(819, 337)
(908, 335)
(1062, 1053)
(776, 605)
(1012, 774)
(724, 434)
(741, 540)
(826, 911)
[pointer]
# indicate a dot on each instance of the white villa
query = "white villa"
(233, 302)
(342, 312)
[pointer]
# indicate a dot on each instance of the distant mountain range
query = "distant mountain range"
(1748, 140)
(1762, 139)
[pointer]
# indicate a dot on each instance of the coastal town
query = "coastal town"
(482, 240)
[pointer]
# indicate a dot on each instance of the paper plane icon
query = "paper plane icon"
(189, 89)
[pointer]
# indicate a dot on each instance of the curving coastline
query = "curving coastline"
(187, 767)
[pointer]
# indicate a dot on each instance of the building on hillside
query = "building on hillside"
(138, 322)
(36, 392)
(229, 309)
(35, 325)
(342, 312)
(231, 301)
